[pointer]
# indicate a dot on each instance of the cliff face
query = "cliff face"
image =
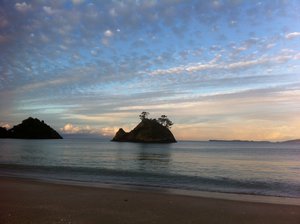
(32, 128)
(147, 131)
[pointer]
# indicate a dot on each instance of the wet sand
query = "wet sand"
(28, 201)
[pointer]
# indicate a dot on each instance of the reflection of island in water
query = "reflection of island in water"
(152, 156)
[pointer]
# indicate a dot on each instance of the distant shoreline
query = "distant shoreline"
(252, 141)
(239, 141)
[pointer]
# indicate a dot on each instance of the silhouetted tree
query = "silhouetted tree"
(3, 132)
(164, 121)
(144, 115)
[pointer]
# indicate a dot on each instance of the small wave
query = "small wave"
(150, 179)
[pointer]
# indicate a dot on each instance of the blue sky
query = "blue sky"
(218, 69)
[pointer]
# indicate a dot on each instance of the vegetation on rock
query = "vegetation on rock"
(4, 133)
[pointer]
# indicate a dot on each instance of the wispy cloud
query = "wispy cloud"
(212, 65)
(23, 7)
(49, 10)
(292, 35)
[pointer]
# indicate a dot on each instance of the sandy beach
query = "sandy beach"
(28, 201)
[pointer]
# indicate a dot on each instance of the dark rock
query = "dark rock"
(33, 128)
(3, 133)
(147, 131)
(121, 134)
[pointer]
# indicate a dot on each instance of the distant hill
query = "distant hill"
(296, 141)
(31, 128)
(239, 141)
(147, 131)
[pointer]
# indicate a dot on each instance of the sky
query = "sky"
(218, 69)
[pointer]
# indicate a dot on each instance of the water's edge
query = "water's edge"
(169, 191)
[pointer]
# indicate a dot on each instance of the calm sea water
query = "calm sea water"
(251, 168)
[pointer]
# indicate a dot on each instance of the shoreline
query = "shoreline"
(270, 199)
(34, 201)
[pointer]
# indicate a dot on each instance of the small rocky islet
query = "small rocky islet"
(148, 131)
(30, 128)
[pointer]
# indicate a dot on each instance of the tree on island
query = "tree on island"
(144, 115)
(3, 132)
(163, 120)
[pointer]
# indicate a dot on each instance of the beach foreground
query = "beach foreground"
(27, 201)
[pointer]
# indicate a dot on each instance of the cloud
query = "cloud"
(38, 85)
(106, 39)
(87, 129)
(69, 128)
(109, 131)
(72, 129)
(23, 7)
(5, 125)
(104, 117)
(215, 65)
(189, 68)
(49, 10)
(68, 77)
(78, 2)
(293, 35)
(271, 45)
(247, 64)
(108, 33)
(113, 12)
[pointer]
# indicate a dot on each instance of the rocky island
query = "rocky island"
(31, 128)
(148, 131)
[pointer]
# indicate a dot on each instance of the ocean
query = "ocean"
(230, 167)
